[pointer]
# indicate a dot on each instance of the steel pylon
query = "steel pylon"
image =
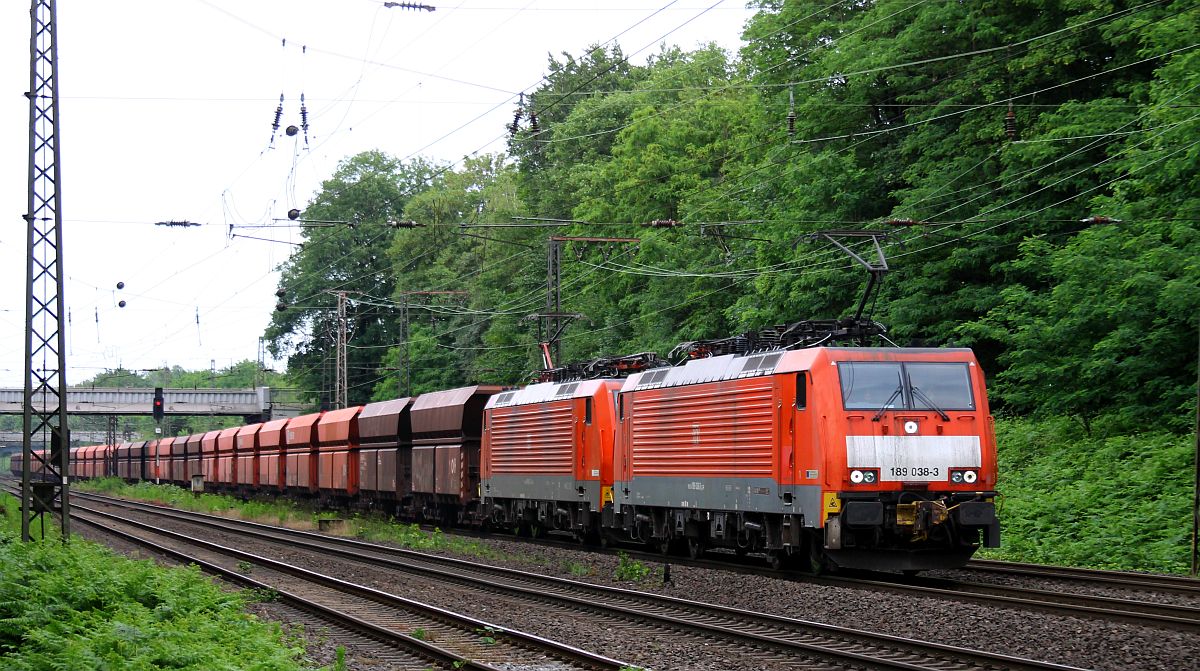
(45, 353)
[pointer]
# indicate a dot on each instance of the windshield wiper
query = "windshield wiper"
(929, 401)
(888, 403)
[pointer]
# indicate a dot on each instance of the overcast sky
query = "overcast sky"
(166, 112)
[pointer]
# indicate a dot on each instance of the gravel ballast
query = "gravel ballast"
(1065, 640)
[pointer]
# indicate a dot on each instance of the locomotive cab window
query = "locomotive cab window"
(869, 385)
(587, 410)
(875, 385)
(940, 385)
(801, 391)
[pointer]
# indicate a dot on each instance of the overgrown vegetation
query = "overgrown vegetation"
(1116, 501)
(80, 606)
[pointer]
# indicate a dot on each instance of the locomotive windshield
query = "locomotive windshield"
(873, 385)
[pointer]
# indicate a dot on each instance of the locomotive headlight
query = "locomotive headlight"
(956, 477)
(970, 477)
(856, 477)
(869, 477)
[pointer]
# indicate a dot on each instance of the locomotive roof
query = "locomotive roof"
(732, 366)
(546, 391)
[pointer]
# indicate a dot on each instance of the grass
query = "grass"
(81, 606)
(286, 513)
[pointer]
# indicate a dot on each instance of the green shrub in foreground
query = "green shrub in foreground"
(1118, 501)
(80, 606)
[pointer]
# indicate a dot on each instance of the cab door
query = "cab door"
(805, 451)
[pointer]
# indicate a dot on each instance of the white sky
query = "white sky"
(166, 111)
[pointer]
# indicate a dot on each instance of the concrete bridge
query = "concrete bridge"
(254, 404)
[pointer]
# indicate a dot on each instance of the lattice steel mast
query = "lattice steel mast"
(45, 351)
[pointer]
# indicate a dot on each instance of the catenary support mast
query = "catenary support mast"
(45, 352)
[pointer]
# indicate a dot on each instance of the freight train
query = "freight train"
(829, 457)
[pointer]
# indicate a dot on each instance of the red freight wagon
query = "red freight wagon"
(178, 459)
(385, 451)
(300, 439)
(92, 459)
(208, 458)
(75, 462)
(226, 473)
(140, 460)
(123, 469)
(447, 427)
(337, 449)
(863, 457)
(106, 465)
(270, 455)
(246, 458)
(161, 449)
(195, 457)
(547, 455)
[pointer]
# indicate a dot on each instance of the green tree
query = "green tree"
(368, 192)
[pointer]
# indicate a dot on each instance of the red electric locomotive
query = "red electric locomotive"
(852, 457)
(547, 457)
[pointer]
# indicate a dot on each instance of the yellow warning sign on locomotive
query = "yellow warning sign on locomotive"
(833, 504)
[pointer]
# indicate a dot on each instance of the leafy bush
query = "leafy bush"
(630, 569)
(79, 606)
(1120, 502)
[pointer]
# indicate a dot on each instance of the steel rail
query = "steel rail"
(843, 644)
(1174, 584)
(578, 657)
(369, 630)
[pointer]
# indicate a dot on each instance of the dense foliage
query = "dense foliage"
(79, 606)
(1121, 502)
(1064, 253)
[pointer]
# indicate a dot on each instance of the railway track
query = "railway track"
(1132, 611)
(1170, 584)
(417, 635)
(778, 641)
